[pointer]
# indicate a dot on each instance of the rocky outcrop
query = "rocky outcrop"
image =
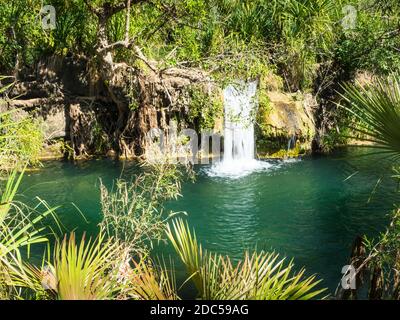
(92, 117)
(287, 117)
(73, 104)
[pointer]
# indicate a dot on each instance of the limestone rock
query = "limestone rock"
(288, 116)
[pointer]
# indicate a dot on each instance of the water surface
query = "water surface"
(310, 210)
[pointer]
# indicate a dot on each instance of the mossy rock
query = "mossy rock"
(286, 116)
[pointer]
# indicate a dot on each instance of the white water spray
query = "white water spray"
(240, 106)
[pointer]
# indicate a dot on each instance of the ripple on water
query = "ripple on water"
(235, 169)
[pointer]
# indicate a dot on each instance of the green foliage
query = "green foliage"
(339, 134)
(20, 32)
(383, 259)
(377, 113)
(241, 61)
(100, 140)
(152, 282)
(264, 107)
(204, 108)
(78, 271)
(24, 41)
(20, 228)
(267, 140)
(133, 212)
(20, 140)
(285, 153)
(372, 44)
(259, 276)
(93, 269)
(75, 27)
(233, 38)
(66, 149)
(82, 270)
(335, 138)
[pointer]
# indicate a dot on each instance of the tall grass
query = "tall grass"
(21, 138)
(20, 228)
(133, 212)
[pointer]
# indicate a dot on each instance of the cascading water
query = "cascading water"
(239, 128)
(291, 143)
(240, 106)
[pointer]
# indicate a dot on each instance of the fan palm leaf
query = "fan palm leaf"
(20, 227)
(151, 282)
(259, 276)
(84, 270)
(376, 109)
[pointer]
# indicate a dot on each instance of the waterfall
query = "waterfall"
(291, 143)
(240, 106)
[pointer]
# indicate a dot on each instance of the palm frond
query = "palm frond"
(376, 109)
(261, 276)
(84, 270)
(151, 282)
(20, 227)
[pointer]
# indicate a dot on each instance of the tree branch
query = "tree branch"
(107, 9)
(128, 20)
(104, 13)
(92, 9)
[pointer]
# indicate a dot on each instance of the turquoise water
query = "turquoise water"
(310, 210)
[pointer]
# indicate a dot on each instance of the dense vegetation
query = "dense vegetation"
(298, 39)
(375, 110)
(117, 264)
(290, 45)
